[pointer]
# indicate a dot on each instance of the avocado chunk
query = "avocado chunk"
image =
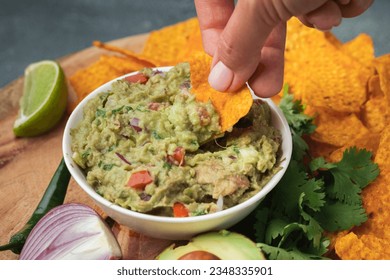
(223, 245)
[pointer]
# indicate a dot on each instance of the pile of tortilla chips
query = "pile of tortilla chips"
(347, 89)
(343, 85)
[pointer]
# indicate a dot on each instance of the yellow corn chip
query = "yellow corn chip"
(366, 247)
(361, 48)
(122, 64)
(320, 73)
(368, 141)
(382, 66)
(337, 129)
(376, 230)
(382, 157)
(173, 44)
(376, 197)
(375, 113)
(230, 106)
(88, 79)
(331, 38)
(318, 149)
(138, 60)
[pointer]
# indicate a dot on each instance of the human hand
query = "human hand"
(247, 40)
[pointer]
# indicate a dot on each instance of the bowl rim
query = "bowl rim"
(255, 199)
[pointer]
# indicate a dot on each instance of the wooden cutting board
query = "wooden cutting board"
(27, 164)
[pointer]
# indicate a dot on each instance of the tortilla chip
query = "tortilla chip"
(376, 197)
(173, 44)
(122, 64)
(368, 141)
(376, 230)
(366, 247)
(333, 237)
(320, 73)
(334, 81)
(84, 81)
(337, 129)
(375, 113)
(382, 66)
(382, 157)
(137, 60)
(230, 106)
(108, 67)
(331, 38)
(318, 149)
(361, 48)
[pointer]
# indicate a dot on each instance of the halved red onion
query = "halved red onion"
(71, 231)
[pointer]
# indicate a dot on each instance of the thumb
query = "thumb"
(239, 48)
(238, 53)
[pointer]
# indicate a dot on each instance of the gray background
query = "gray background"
(32, 30)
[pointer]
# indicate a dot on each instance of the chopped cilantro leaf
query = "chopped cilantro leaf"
(236, 149)
(107, 167)
(275, 253)
(118, 110)
(128, 109)
(293, 111)
(167, 165)
(349, 176)
(111, 148)
(100, 113)
(156, 135)
(142, 108)
(86, 153)
(300, 124)
(337, 216)
(200, 212)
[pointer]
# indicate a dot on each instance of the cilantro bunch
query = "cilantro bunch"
(313, 197)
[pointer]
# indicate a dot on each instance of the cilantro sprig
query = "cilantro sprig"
(312, 197)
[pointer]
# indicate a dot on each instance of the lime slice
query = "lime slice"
(44, 99)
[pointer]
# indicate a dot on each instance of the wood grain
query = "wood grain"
(27, 164)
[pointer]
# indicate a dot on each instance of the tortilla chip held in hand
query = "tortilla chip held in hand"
(231, 106)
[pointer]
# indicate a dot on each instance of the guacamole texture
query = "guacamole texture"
(149, 146)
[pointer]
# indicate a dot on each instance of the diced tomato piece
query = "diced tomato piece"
(179, 154)
(137, 78)
(177, 157)
(154, 106)
(140, 179)
(179, 210)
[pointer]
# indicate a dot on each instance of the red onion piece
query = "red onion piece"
(134, 122)
(123, 158)
(71, 231)
(220, 203)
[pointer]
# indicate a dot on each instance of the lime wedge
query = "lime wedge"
(44, 99)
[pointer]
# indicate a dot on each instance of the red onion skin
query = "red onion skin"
(123, 158)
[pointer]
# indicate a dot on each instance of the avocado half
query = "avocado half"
(222, 245)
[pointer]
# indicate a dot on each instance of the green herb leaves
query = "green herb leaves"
(300, 124)
(345, 181)
(311, 198)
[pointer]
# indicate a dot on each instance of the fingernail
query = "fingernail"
(221, 77)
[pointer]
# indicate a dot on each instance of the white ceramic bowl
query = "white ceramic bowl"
(169, 227)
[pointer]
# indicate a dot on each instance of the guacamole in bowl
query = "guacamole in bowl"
(150, 147)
